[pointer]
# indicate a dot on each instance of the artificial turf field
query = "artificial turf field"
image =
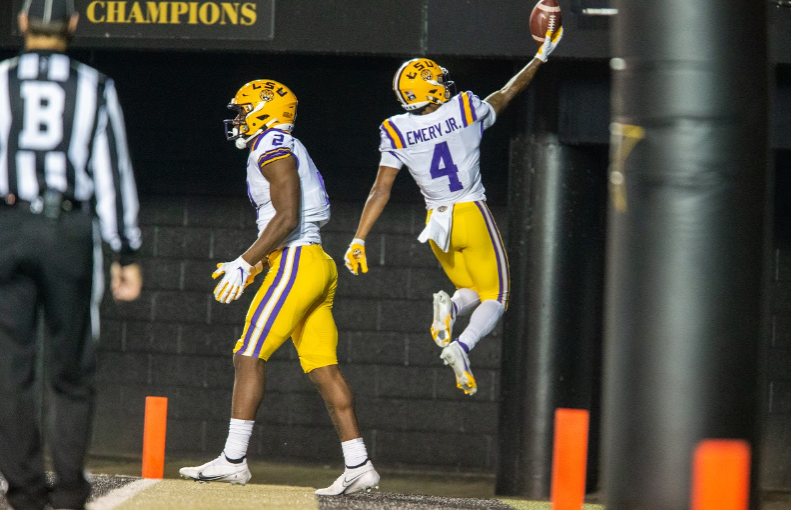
(132, 493)
(290, 486)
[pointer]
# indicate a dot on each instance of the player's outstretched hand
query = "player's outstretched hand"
(355, 257)
(233, 283)
(125, 281)
(550, 43)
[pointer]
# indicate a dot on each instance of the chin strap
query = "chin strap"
(241, 143)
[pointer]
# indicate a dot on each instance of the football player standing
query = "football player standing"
(438, 140)
(295, 299)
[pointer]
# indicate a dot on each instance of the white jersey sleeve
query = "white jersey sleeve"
(389, 157)
(441, 148)
(274, 145)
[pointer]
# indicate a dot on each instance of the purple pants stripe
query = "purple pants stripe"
(482, 207)
(262, 304)
(502, 249)
(279, 305)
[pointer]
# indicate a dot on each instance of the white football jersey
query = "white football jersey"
(273, 145)
(441, 148)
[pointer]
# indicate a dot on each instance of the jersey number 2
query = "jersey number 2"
(442, 166)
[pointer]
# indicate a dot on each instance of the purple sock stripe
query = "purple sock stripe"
(280, 302)
(262, 304)
(496, 248)
(464, 346)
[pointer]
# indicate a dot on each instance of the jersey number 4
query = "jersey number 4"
(442, 165)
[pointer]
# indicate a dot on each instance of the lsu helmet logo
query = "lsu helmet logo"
(260, 105)
(420, 82)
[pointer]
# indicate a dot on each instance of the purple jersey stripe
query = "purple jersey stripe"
(472, 107)
(272, 155)
(262, 304)
(461, 108)
(496, 249)
(280, 302)
(392, 142)
(400, 136)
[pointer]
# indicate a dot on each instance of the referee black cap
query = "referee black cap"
(49, 11)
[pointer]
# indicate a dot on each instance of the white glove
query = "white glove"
(355, 258)
(231, 287)
(549, 45)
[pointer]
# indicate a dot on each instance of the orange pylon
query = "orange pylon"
(156, 421)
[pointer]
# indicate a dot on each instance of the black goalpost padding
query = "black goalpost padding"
(553, 329)
(687, 242)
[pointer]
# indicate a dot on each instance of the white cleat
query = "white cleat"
(218, 470)
(442, 326)
(455, 356)
(363, 478)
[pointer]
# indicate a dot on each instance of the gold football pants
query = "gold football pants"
(294, 301)
(476, 258)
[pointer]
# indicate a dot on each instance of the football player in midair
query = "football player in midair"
(295, 299)
(438, 140)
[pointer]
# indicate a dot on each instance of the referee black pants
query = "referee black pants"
(46, 264)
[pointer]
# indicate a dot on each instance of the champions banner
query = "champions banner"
(165, 19)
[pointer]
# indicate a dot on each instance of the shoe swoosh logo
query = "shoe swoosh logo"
(349, 481)
(209, 478)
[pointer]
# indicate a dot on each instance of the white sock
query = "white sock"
(354, 453)
(482, 322)
(239, 433)
(464, 302)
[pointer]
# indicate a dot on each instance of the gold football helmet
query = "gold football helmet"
(421, 81)
(260, 105)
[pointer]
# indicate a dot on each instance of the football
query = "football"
(546, 15)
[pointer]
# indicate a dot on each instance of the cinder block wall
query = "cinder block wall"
(776, 461)
(176, 342)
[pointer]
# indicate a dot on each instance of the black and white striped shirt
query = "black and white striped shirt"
(62, 128)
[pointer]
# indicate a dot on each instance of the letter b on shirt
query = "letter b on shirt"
(43, 119)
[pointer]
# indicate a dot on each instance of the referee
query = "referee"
(65, 177)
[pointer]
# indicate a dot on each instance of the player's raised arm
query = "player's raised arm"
(500, 99)
(377, 199)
